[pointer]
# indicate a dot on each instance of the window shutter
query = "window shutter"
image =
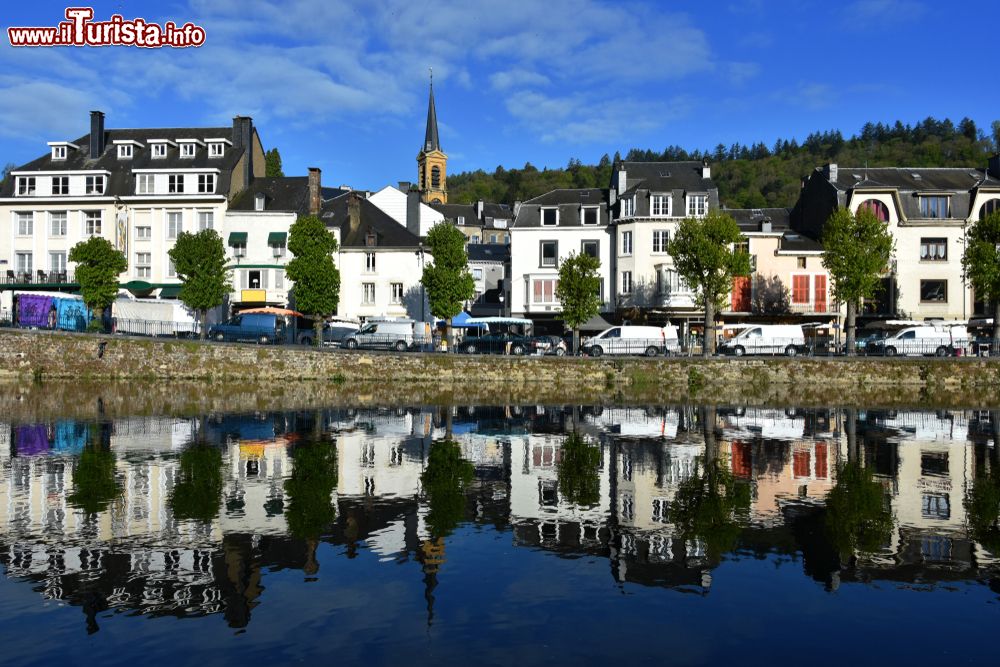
(245, 279)
(263, 279)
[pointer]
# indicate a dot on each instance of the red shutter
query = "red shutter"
(821, 460)
(742, 459)
(819, 296)
(800, 464)
(741, 294)
(800, 289)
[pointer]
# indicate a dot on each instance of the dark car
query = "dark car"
(498, 343)
(262, 328)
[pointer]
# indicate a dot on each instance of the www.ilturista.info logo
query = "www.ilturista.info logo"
(81, 30)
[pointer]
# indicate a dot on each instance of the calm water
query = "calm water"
(506, 535)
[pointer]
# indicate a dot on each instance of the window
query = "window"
(660, 239)
(175, 183)
(175, 224)
(493, 238)
(144, 184)
(279, 279)
(216, 149)
(460, 220)
(697, 205)
(92, 223)
(591, 215)
(800, 262)
(94, 185)
(592, 248)
(396, 292)
(239, 249)
(23, 262)
(934, 206)
(142, 262)
(144, 233)
(25, 223)
(800, 289)
(187, 150)
(159, 151)
(258, 202)
(477, 273)
(933, 250)
(543, 290)
(206, 220)
(60, 185)
(474, 239)
(626, 282)
(628, 207)
(669, 281)
(880, 210)
(206, 183)
(58, 152)
(435, 177)
(659, 205)
(991, 206)
(369, 262)
(368, 298)
(25, 185)
(57, 223)
(934, 291)
(626, 243)
(171, 268)
(550, 217)
(548, 253)
(57, 262)
(125, 151)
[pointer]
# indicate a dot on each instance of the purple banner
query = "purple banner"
(31, 439)
(34, 310)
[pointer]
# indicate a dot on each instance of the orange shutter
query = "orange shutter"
(741, 294)
(800, 289)
(819, 294)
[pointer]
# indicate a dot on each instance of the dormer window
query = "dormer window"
(94, 185)
(258, 202)
(550, 217)
(659, 206)
(187, 150)
(216, 149)
(697, 206)
(25, 185)
(628, 207)
(125, 151)
(59, 152)
(935, 206)
(371, 241)
(159, 151)
(590, 215)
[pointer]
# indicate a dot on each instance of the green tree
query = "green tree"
(98, 266)
(197, 495)
(200, 262)
(857, 248)
(445, 481)
(981, 262)
(94, 481)
(310, 489)
(447, 279)
(316, 277)
(982, 499)
(704, 255)
(578, 479)
(272, 164)
(712, 505)
(579, 291)
(857, 519)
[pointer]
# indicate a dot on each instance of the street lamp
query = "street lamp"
(501, 304)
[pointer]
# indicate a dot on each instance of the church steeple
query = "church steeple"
(432, 163)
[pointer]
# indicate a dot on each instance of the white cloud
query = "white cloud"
(507, 79)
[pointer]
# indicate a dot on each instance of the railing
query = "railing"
(131, 327)
(36, 278)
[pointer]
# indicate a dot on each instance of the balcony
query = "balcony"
(37, 278)
(828, 308)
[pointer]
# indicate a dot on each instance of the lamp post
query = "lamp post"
(501, 304)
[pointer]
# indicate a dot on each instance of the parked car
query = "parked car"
(499, 343)
(555, 345)
(923, 340)
(334, 332)
(650, 341)
(787, 339)
(262, 328)
(399, 335)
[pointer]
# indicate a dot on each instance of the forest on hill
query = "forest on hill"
(757, 175)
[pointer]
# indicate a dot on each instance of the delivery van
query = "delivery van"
(922, 340)
(262, 328)
(787, 339)
(385, 334)
(650, 341)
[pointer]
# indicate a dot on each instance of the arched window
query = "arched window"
(880, 210)
(991, 206)
(435, 178)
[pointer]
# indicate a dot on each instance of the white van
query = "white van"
(649, 341)
(924, 340)
(786, 339)
(399, 335)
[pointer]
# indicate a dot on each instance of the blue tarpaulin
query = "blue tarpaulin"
(70, 437)
(461, 321)
(71, 314)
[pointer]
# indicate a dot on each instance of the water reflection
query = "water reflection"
(185, 517)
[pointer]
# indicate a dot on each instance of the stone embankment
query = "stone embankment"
(288, 374)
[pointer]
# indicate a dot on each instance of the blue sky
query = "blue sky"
(343, 85)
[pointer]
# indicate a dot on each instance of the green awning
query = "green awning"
(171, 292)
(137, 286)
(237, 238)
(277, 238)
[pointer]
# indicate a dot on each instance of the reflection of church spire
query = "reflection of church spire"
(431, 557)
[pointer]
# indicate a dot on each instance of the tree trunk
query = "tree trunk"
(318, 331)
(851, 430)
(849, 323)
(576, 341)
(708, 349)
(709, 416)
(203, 333)
(448, 336)
(99, 316)
(995, 348)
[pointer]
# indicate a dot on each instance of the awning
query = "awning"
(275, 238)
(137, 286)
(171, 292)
(237, 238)
(596, 323)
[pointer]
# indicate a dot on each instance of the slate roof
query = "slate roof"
(666, 176)
(388, 232)
(454, 211)
(431, 142)
(121, 181)
(489, 252)
(569, 202)
(749, 219)
(795, 242)
(285, 193)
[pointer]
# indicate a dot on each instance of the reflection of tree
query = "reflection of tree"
(982, 501)
(445, 480)
(857, 519)
(712, 505)
(578, 479)
(197, 494)
(310, 488)
(94, 483)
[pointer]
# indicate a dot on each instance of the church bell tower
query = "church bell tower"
(432, 163)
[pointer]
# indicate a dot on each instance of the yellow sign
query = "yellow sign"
(253, 296)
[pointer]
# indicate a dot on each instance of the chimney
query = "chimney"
(242, 138)
(830, 172)
(353, 214)
(517, 208)
(480, 207)
(404, 186)
(620, 183)
(413, 211)
(706, 171)
(765, 225)
(315, 191)
(96, 134)
(994, 167)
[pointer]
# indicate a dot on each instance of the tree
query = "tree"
(316, 278)
(857, 519)
(200, 262)
(704, 255)
(445, 481)
(98, 266)
(578, 479)
(981, 263)
(447, 279)
(272, 164)
(857, 248)
(197, 494)
(579, 291)
(310, 489)
(7, 168)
